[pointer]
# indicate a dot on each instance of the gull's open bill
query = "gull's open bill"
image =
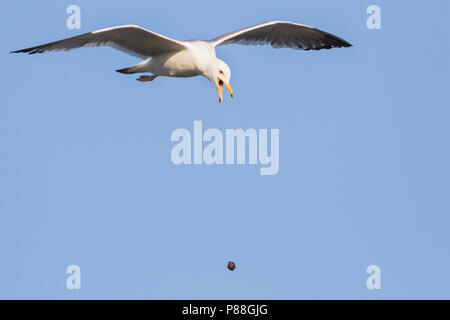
(220, 88)
(172, 58)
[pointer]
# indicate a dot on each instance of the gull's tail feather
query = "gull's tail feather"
(139, 68)
(129, 70)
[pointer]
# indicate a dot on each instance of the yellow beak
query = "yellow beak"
(230, 89)
(220, 88)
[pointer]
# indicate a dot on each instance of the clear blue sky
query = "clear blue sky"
(86, 176)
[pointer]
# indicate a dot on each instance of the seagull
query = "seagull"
(172, 58)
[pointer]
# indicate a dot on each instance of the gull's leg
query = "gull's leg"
(146, 78)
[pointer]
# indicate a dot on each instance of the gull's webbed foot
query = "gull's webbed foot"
(146, 78)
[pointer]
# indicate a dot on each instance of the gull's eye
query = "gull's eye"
(221, 72)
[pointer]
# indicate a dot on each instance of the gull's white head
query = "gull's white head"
(219, 73)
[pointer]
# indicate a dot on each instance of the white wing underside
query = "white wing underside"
(131, 39)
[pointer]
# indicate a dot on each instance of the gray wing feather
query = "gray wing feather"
(131, 39)
(280, 34)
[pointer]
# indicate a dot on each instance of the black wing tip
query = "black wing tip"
(346, 44)
(337, 42)
(29, 51)
(340, 44)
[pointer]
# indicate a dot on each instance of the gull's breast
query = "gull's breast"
(190, 62)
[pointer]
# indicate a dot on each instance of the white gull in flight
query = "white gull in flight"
(168, 57)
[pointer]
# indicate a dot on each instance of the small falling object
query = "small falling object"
(231, 265)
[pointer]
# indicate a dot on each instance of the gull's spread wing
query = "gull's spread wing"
(132, 39)
(280, 34)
